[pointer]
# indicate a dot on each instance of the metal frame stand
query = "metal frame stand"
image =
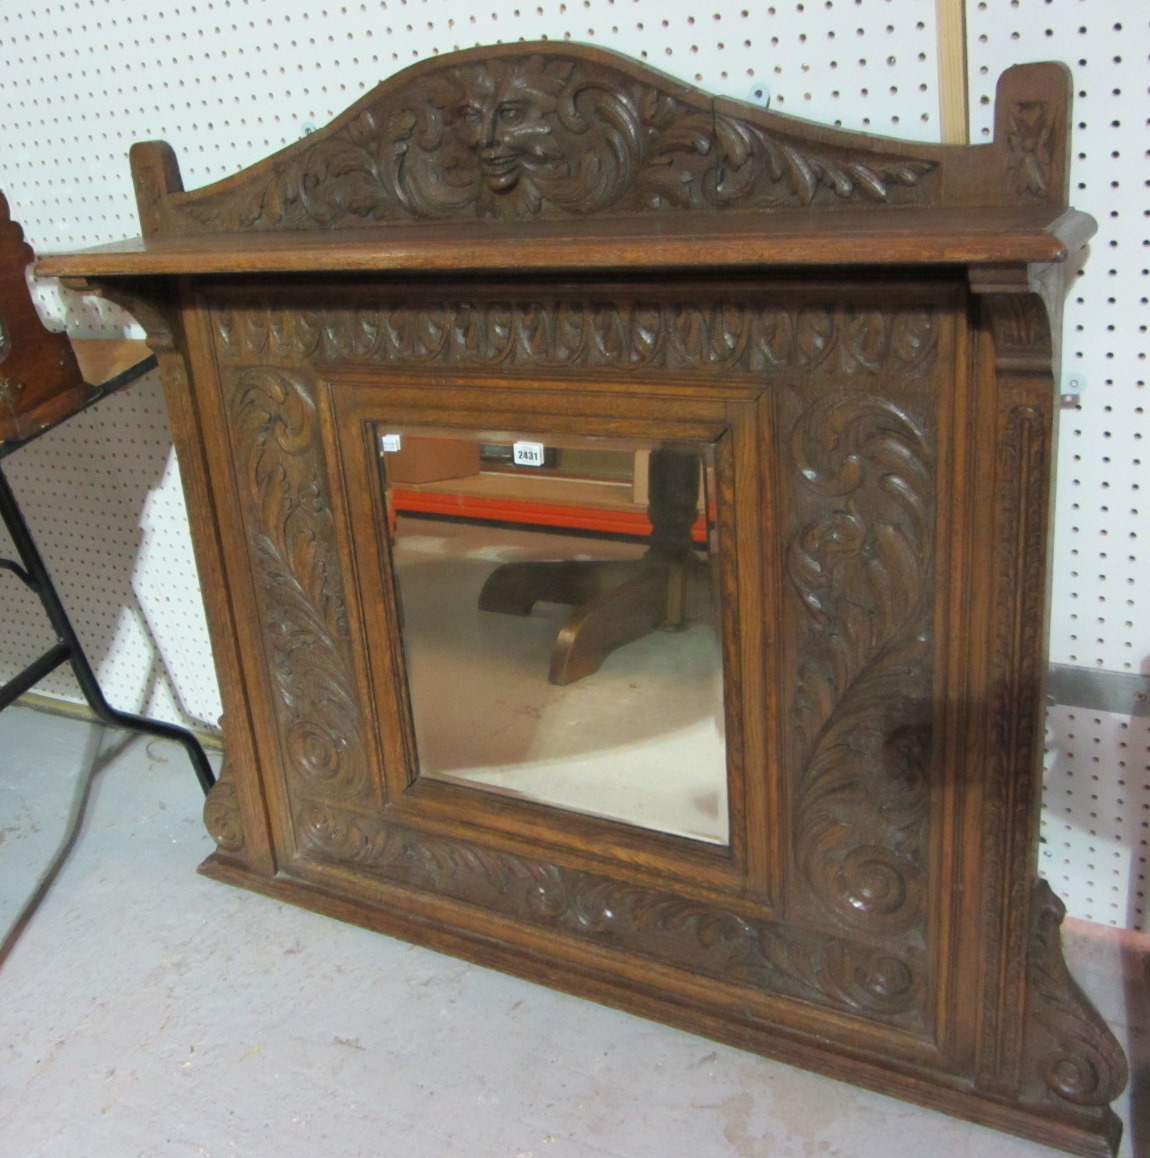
(34, 575)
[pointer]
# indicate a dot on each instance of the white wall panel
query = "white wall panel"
(1096, 814)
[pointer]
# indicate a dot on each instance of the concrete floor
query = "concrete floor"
(146, 1011)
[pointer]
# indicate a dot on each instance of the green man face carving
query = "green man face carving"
(508, 118)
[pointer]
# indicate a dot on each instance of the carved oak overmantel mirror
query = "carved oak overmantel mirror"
(622, 516)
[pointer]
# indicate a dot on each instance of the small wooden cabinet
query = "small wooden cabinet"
(857, 339)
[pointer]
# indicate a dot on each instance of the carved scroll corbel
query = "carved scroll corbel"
(1023, 309)
(222, 815)
(146, 307)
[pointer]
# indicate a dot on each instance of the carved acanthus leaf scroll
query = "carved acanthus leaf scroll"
(300, 586)
(1074, 1055)
(862, 706)
(717, 336)
(525, 135)
(811, 966)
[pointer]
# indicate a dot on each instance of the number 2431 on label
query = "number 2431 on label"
(527, 453)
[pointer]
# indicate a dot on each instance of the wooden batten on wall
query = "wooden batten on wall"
(954, 119)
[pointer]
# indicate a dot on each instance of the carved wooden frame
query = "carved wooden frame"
(869, 329)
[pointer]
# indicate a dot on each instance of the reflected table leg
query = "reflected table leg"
(616, 602)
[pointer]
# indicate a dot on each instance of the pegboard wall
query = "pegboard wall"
(227, 82)
(1096, 823)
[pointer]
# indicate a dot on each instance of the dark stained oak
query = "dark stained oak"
(550, 236)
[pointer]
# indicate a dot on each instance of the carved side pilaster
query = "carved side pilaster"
(1020, 332)
(860, 567)
(299, 581)
(223, 812)
(1041, 1040)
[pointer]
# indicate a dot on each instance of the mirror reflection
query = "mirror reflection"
(560, 621)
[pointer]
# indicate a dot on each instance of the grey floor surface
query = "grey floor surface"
(145, 1010)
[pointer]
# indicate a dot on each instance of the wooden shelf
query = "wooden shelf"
(838, 237)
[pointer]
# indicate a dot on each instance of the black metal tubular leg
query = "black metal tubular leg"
(41, 582)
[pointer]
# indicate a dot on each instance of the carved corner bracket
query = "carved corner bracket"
(1073, 1062)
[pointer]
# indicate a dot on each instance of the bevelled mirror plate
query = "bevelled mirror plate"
(560, 619)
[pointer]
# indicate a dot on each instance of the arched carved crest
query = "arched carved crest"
(535, 131)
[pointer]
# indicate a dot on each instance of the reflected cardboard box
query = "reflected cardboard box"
(426, 460)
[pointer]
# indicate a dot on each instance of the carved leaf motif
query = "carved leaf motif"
(1030, 139)
(300, 584)
(863, 698)
(711, 335)
(860, 702)
(709, 940)
(524, 135)
(757, 169)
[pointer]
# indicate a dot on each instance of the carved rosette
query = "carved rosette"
(719, 336)
(859, 565)
(529, 134)
(811, 966)
(299, 580)
(1072, 1055)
